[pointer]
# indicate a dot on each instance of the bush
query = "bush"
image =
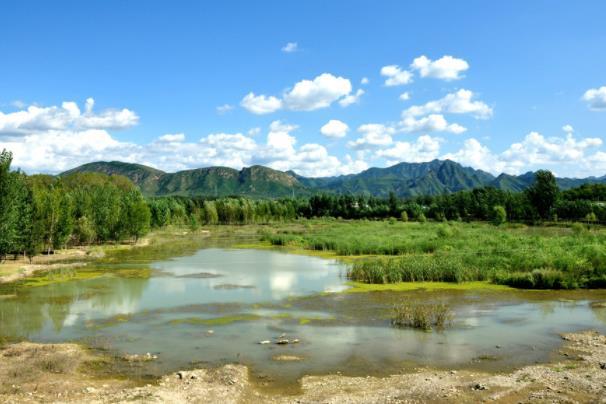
(499, 215)
(421, 218)
(404, 216)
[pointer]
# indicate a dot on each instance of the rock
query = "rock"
(287, 358)
(210, 332)
(603, 365)
(265, 342)
(479, 386)
(90, 390)
(295, 341)
(180, 375)
(282, 342)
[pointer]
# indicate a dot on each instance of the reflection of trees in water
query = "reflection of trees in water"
(33, 308)
(600, 313)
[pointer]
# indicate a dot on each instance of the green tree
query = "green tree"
(543, 193)
(404, 216)
(8, 206)
(499, 215)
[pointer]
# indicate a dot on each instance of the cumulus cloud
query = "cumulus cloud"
(425, 148)
(306, 95)
(430, 123)
(260, 104)
(334, 129)
(596, 98)
(374, 135)
(351, 98)
(568, 128)
(171, 138)
(564, 155)
(460, 102)
(309, 95)
(446, 68)
(405, 96)
(290, 47)
(66, 117)
(395, 76)
(55, 139)
(364, 81)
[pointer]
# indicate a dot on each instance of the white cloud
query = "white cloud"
(596, 98)
(54, 139)
(260, 104)
(172, 138)
(253, 131)
(425, 148)
(364, 81)
(395, 75)
(459, 102)
(306, 95)
(430, 123)
(290, 47)
(66, 117)
(351, 98)
(309, 95)
(564, 155)
(335, 129)
(374, 135)
(474, 154)
(568, 128)
(405, 96)
(222, 109)
(446, 68)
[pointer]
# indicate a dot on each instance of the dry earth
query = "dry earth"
(64, 373)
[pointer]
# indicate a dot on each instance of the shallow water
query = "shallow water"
(215, 306)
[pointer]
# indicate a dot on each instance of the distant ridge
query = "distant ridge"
(404, 179)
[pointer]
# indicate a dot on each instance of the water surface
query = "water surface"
(215, 306)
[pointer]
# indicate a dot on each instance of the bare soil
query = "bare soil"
(65, 373)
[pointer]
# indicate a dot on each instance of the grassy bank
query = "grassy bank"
(537, 257)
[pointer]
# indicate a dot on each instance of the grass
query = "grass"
(226, 320)
(381, 252)
(424, 316)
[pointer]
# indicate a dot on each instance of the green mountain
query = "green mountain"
(405, 179)
(255, 181)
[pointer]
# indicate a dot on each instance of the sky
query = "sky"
(319, 87)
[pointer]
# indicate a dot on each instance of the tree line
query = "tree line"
(41, 213)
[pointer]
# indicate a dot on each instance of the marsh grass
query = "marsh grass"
(538, 257)
(424, 316)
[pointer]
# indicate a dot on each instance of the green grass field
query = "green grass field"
(534, 257)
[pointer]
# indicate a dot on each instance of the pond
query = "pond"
(216, 305)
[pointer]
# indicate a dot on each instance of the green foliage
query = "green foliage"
(543, 193)
(424, 316)
(421, 218)
(500, 215)
(404, 216)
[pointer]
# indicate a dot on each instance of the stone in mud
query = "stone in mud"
(282, 342)
(287, 358)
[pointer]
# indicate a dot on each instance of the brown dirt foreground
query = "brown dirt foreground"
(57, 373)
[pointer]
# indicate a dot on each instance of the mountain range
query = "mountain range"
(405, 179)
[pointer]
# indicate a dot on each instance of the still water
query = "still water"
(217, 305)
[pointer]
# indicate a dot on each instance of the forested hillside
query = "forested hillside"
(405, 180)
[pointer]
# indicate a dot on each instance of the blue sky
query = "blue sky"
(502, 87)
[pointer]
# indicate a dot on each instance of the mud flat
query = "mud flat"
(70, 373)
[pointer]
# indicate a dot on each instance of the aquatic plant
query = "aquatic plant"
(425, 316)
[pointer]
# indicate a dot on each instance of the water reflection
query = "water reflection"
(246, 296)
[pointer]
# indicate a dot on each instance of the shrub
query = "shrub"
(499, 215)
(421, 218)
(404, 216)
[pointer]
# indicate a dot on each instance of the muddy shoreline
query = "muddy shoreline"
(70, 373)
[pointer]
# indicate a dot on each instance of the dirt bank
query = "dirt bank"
(67, 373)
